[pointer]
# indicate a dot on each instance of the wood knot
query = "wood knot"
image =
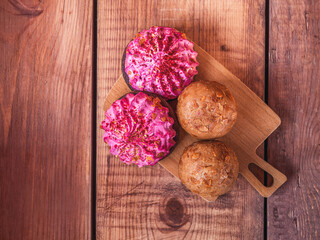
(224, 48)
(173, 212)
(26, 10)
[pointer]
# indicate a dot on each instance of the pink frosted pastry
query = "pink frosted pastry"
(139, 129)
(159, 60)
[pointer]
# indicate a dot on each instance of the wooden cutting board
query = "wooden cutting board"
(256, 121)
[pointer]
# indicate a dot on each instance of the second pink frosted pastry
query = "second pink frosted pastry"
(140, 129)
(159, 60)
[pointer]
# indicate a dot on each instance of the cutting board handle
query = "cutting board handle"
(278, 177)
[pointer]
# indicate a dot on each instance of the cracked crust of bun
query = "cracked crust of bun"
(206, 110)
(208, 168)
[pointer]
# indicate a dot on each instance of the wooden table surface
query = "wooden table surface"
(59, 59)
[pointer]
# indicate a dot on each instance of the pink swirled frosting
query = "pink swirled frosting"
(138, 129)
(161, 60)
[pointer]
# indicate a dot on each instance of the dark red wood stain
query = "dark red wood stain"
(45, 119)
(294, 93)
(47, 114)
(162, 208)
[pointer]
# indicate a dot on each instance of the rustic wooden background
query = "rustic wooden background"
(59, 59)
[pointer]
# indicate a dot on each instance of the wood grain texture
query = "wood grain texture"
(294, 92)
(45, 118)
(149, 203)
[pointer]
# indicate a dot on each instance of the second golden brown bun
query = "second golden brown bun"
(206, 110)
(208, 168)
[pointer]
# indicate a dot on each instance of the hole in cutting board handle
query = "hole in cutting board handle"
(261, 175)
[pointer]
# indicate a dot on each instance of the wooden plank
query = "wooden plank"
(294, 90)
(149, 203)
(45, 119)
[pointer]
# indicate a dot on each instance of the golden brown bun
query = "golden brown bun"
(206, 110)
(208, 168)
